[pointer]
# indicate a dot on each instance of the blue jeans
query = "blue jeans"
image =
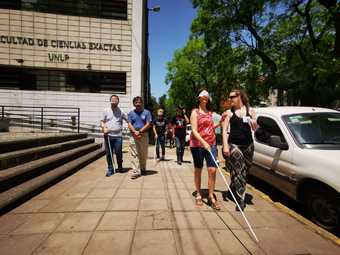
(116, 143)
(160, 141)
(180, 145)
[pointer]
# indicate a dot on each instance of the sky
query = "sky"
(169, 29)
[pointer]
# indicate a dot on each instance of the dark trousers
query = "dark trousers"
(160, 141)
(116, 143)
(180, 145)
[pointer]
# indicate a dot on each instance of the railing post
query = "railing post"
(42, 119)
(78, 120)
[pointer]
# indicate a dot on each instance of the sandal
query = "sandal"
(214, 203)
(199, 200)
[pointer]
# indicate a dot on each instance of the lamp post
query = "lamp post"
(147, 86)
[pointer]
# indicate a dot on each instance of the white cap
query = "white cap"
(204, 93)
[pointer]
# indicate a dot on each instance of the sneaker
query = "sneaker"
(109, 173)
(135, 176)
(143, 172)
(242, 205)
(179, 162)
(162, 158)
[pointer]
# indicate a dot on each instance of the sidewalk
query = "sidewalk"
(89, 213)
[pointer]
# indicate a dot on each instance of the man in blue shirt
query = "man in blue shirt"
(139, 122)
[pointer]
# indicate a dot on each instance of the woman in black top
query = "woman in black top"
(238, 147)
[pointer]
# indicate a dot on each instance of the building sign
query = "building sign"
(59, 44)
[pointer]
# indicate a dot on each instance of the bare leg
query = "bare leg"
(198, 173)
(211, 180)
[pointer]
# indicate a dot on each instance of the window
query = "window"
(110, 9)
(60, 80)
(267, 127)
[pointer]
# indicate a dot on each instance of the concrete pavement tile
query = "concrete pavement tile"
(33, 205)
(9, 222)
(248, 242)
(64, 244)
(123, 204)
(76, 192)
(149, 242)
(278, 241)
(118, 221)
(20, 244)
(228, 243)
(279, 219)
(312, 242)
(153, 204)
(255, 219)
(263, 205)
(228, 219)
(61, 205)
(149, 185)
(109, 242)
(51, 193)
(93, 204)
(150, 193)
(198, 241)
(180, 194)
(101, 193)
(40, 223)
(153, 220)
(189, 220)
(128, 193)
(79, 222)
(215, 222)
(183, 205)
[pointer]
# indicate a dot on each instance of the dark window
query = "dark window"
(59, 80)
(110, 9)
(267, 127)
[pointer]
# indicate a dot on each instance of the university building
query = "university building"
(73, 53)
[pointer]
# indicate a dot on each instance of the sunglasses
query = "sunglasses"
(233, 96)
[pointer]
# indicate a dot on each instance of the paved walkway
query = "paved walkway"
(89, 213)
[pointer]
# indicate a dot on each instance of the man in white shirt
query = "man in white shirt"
(112, 126)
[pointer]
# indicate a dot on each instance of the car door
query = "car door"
(272, 164)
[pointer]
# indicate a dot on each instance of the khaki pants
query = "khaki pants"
(139, 152)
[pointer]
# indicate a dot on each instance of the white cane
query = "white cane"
(238, 206)
(112, 160)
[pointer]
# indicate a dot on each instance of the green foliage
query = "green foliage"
(260, 45)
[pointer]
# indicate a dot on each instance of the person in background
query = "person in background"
(112, 126)
(203, 146)
(179, 123)
(139, 123)
(238, 146)
(159, 129)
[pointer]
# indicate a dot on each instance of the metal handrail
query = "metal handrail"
(44, 112)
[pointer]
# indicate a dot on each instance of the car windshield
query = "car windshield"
(315, 128)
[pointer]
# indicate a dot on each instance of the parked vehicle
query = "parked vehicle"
(188, 133)
(297, 150)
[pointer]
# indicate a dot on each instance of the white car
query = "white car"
(297, 150)
(188, 133)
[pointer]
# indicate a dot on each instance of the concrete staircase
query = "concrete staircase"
(30, 165)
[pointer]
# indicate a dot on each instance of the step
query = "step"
(14, 158)
(30, 142)
(18, 194)
(13, 176)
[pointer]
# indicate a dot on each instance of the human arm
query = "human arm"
(252, 121)
(193, 121)
(154, 130)
(186, 117)
(225, 135)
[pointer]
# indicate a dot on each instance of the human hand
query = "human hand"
(206, 146)
(156, 136)
(226, 151)
(105, 130)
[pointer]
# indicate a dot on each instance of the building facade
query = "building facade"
(72, 53)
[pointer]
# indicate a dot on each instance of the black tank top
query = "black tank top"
(240, 132)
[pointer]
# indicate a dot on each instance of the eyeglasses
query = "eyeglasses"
(233, 96)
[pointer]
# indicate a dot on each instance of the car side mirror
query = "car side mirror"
(275, 141)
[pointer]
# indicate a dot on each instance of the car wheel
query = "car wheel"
(324, 209)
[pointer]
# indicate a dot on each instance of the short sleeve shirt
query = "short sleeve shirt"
(113, 119)
(139, 119)
(160, 126)
(179, 123)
